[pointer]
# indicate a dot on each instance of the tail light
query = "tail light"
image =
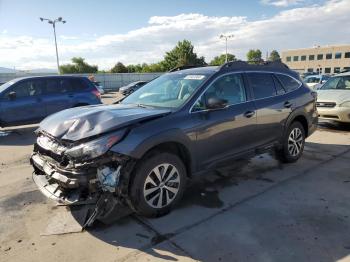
(97, 93)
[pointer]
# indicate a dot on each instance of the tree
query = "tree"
(152, 68)
(181, 55)
(254, 56)
(134, 68)
(119, 68)
(274, 56)
(78, 66)
(220, 60)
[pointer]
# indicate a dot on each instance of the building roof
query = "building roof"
(317, 47)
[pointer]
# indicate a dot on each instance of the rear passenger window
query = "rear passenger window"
(279, 88)
(65, 86)
(262, 85)
(288, 82)
(52, 86)
(78, 84)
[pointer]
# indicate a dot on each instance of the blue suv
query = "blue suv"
(28, 100)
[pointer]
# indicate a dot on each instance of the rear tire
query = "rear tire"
(293, 143)
(158, 184)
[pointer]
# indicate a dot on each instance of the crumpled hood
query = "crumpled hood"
(82, 122)
(337, 96)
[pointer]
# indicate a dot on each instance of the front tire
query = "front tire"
(293, 143)
(158, 184)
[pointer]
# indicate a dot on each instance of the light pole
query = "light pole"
(226, 37)
(53, 22)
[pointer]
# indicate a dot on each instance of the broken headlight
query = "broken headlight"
(94, 148)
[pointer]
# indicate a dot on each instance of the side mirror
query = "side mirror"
(12, 95)
(216, 103)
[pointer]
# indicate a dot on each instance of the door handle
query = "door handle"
(287, 104)
(249, 114)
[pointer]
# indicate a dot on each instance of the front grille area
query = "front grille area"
(326, 104)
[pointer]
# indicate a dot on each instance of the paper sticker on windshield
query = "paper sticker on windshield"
(194, 77)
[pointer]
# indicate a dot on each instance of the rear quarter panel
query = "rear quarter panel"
(304, 104)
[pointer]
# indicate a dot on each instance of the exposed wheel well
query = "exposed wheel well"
(301, 119)
(175, 148)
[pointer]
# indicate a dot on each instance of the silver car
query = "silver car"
(333, 102)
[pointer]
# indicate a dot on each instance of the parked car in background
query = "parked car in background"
(141, 151)
(99, 87)
(28, 100)
(333, 102)
(306, 74)
(132, 87)
(315, 81)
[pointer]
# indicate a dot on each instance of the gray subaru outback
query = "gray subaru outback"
(141, 151)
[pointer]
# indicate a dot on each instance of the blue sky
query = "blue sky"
(105, 32)
(110, 17)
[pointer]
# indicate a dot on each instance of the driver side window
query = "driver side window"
(228, 87)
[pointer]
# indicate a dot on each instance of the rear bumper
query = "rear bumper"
(313, 126)
(340, 114)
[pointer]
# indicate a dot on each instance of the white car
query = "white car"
(333, 99)
(315, 81)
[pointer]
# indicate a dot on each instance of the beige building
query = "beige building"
(320, 59)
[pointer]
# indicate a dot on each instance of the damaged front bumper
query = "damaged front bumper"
(58, 186)
(99, 182)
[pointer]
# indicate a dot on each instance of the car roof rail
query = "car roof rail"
(250, 64)
(178, 68)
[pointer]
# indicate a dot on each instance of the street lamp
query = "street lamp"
(226, 37)
(53, 22)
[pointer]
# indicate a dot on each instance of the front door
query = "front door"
(223, 133)
(22, 103)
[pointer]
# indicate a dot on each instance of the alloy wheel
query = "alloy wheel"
(295, 142)
(161, 185)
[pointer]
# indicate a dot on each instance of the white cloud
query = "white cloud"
(66, 37)
(281, 3)
(293, 28)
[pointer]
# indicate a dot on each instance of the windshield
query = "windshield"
(169, 90)
(6, 85)
(337, 82)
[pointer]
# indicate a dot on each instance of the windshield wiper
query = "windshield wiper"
(143, 106)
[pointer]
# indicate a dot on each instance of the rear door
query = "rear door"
(81, 91)
(26, 107)
(58, 94)
(272, 106)
(225, 132)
